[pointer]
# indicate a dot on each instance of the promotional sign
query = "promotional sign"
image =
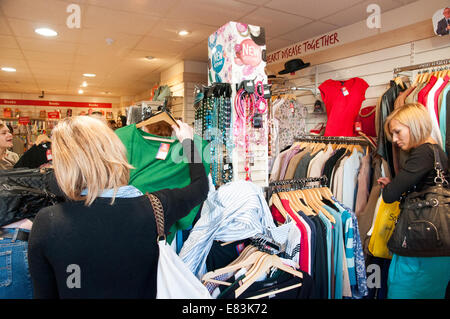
(25, 120)
(441, 22)
(237, 52)
(54, 103)
(53, 115)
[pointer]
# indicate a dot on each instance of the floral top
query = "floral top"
(291, 116)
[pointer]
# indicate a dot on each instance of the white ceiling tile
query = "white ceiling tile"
(6, 53)
(47, 45)
(118, 21)
(149, 7)
(4, 27)
(163, 45)
(25, 28)
(312, 9)
(196, 53)
(8, 42)
(210, 12)
(270, 20)
(359, 12)
(308, 31)
(49, 11)
(255, 2)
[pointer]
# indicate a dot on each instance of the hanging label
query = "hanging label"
(163, 151)
(258, 120)
(49, 154)
(344, 91)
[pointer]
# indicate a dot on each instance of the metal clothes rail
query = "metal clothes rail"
(422, 66)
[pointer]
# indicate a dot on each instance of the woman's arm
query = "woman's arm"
(417, 166)
(179, 202)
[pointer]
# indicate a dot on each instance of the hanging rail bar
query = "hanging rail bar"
(422, 66)
(330, 139)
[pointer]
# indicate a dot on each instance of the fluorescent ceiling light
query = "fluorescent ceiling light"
(89, 75)
(80, 91)
(46, 32)
(8, 69)
(183, 32)
(84, 84)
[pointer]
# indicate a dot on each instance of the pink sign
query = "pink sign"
(248, 52)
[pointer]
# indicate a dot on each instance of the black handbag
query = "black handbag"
(23, 192)
(423, 227)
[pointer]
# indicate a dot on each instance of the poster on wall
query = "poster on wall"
(441, 22)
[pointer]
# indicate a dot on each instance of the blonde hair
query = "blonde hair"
(416, 118)
(88, 154)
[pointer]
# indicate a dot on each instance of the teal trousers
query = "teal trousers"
(418, 277)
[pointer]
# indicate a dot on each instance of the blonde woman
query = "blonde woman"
(102, 242)
(410, 128)
(7, 158)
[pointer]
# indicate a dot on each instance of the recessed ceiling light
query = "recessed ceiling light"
(8, 69)
(84, 84)
(89, 75)
(183, 32)
(80, 91)
(46, 32)
(149, 57)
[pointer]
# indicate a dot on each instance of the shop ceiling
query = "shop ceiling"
(140, 28)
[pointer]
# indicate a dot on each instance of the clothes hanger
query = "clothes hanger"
(319, 204)
(297, 194)
(161, 116)
(266, 262)
(251, 257)
(275, 200)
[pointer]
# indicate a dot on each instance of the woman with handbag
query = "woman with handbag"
(15, 281)
(102, 242)
(420, 266)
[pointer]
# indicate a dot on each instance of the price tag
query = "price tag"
(344, 91)
(163, 151)
(49, 154)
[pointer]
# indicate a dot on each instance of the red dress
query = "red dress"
(342, 100)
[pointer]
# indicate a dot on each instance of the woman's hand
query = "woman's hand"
(383, 181)
(183, 132)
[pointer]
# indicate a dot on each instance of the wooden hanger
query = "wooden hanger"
(156, 119)
(319, 204)
(275, 200)
(161, 116)
(249, 259)
(265, 263)
(399, 81)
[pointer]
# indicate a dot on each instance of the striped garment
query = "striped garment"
(235, 211)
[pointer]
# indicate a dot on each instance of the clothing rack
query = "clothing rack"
(422, 66)
(300, 181)
(332, 139)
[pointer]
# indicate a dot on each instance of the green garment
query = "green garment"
(151, 174)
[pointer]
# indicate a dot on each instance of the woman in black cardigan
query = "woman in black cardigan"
(409, 127)
(102, 242)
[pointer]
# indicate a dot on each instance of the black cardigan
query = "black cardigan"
(418, 171)
(114, 246)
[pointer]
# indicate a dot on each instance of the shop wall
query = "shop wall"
(376, 68)
(33, 111)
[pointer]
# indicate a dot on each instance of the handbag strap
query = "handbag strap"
(368, 114)
(158, 210)
(440, 175)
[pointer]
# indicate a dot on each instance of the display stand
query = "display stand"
(237, 53)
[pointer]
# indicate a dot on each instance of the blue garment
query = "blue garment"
(443, 115)
(350, 179)
(338, 242)
(313, 237)
(128, 191)
(15, 279)
(360, 290)
(418, 277)
(329, 228)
